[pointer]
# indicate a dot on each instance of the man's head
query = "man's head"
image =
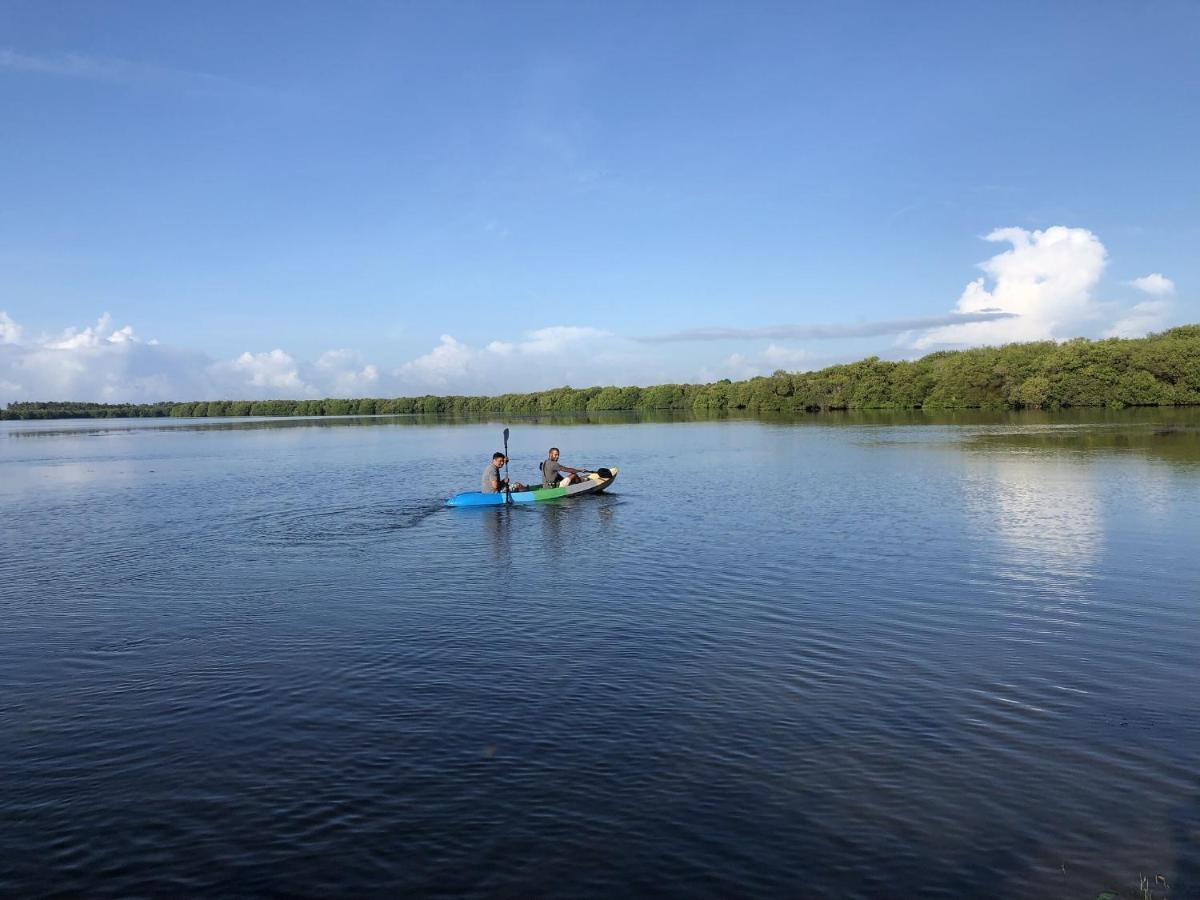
(554, 453)
(497, 459)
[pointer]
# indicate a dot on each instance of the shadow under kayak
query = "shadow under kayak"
(593, 484)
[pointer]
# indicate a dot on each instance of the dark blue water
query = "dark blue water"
(844, 657)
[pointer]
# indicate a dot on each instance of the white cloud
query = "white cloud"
(97, 363)
(1046, 282)
(121, 371)
(346, 374)
(106, 364)
(1156, 284)
(274, 369)
(1046, 279)
(103, 363)
(784, 357)
(1042, 287)
(448, 361)
(547, 357)
(100, 333)
(737, 366)
(10, 331)
(558, 339)
(1147, 316)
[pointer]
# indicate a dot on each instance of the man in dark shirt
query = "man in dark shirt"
(552, 471)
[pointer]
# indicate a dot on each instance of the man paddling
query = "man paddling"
(493, 482)
(552, 471)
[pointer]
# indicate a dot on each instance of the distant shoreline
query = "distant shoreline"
(1158, 370)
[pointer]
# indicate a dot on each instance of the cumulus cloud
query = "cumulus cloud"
(100, 333)
(1156, 284)
(1042, 288)
(784, 357)
(735, 366)
(738, 366)
(346, 373)
(449, 360)
(107, 364)
(1045, 280)
(1147, 316)
(547, 357)
(274, 369)
(10, 331)
(96, 363)
(558, 339)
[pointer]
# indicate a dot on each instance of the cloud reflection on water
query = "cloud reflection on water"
(1044, 509)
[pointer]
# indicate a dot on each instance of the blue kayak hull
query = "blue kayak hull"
(591, 485)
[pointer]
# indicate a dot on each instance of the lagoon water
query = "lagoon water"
(844, 656)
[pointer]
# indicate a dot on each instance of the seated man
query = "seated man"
(493, 482)
(552, 471)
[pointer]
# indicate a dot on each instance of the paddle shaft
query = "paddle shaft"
(507, 483)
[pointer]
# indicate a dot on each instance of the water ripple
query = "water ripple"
(816, 661)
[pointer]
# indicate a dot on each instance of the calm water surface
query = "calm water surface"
(845, 657)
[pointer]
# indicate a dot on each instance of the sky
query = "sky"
(302, 199)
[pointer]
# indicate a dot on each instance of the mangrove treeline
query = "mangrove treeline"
(1159, 370)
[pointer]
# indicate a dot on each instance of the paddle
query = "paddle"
(507, 483)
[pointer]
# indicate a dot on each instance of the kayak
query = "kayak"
(594, 483)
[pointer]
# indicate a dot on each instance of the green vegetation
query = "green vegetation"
(71, 410)
(1158, 370)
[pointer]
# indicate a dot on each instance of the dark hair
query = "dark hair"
(497, 455)
(552, 449)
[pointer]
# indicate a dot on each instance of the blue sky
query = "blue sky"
(304, 198)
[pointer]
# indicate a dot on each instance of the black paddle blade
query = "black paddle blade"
(604, 473)
(506, 435)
